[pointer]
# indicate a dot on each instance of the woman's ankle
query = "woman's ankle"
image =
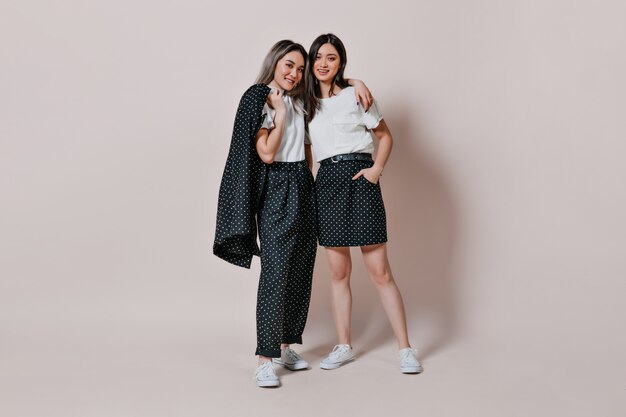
(263, 359)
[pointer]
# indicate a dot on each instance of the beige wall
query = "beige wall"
(505, 192)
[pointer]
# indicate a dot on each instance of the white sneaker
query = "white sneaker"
(291, 360)
(341, 354)
(266, 376)
(408, 361)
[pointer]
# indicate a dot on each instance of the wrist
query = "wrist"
(378, 169)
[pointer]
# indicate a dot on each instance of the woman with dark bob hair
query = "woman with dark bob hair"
(350, 209)
(267, 186)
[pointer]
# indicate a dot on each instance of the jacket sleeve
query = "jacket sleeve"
(242, 184)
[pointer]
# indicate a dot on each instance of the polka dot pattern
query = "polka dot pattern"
(281, 198)
(242, 184)
(349, 212)
(287, 231)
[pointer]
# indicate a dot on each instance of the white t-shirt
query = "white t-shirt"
(342, 126)
(291, 147)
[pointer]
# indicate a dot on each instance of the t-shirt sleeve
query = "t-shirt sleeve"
(372, 117)
(268, 117)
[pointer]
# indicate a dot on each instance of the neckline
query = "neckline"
(338, 94)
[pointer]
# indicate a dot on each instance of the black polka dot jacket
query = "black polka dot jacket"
(242, 184)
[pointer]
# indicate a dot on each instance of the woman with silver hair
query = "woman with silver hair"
(268, 185)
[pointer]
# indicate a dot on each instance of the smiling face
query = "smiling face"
(288, 71)
(327, 63)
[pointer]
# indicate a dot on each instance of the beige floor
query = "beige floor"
(156, 367)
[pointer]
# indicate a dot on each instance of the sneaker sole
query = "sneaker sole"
(296, 367)
(412, 370)
(291, 367)
(267, 384)
(329, 366)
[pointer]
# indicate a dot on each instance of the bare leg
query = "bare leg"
(377, 264)
(340, 269)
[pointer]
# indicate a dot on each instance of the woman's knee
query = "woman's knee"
(381, 276)
(340, 264)
(377, 264)
(340, 274)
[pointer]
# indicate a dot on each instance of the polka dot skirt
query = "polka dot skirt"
(349, 212)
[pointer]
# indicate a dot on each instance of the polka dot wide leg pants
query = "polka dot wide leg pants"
(287, 232)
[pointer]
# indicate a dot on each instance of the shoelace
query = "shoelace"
(338, 351)
(292, 355)
(406, 356)
(265, 371)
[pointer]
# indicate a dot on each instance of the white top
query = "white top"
(342, 126)
(291, 147)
